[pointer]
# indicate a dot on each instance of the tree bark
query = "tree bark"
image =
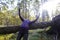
(14, 29)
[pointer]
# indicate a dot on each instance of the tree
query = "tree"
(14, 29)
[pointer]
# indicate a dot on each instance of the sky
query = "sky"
(50, 6)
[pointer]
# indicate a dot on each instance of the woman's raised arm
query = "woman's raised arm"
(19, 13)
(35, 19)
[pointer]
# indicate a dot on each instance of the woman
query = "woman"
(23, 32)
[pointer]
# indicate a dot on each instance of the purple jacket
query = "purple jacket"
(25, 24)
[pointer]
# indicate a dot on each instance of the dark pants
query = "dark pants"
(23, 34)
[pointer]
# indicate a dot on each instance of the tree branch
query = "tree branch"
(14, 29)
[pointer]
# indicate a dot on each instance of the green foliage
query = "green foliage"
(5, 37)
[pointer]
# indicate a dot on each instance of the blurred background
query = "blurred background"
(29, 8)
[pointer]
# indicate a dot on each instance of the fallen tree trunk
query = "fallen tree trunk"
(14, 29)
